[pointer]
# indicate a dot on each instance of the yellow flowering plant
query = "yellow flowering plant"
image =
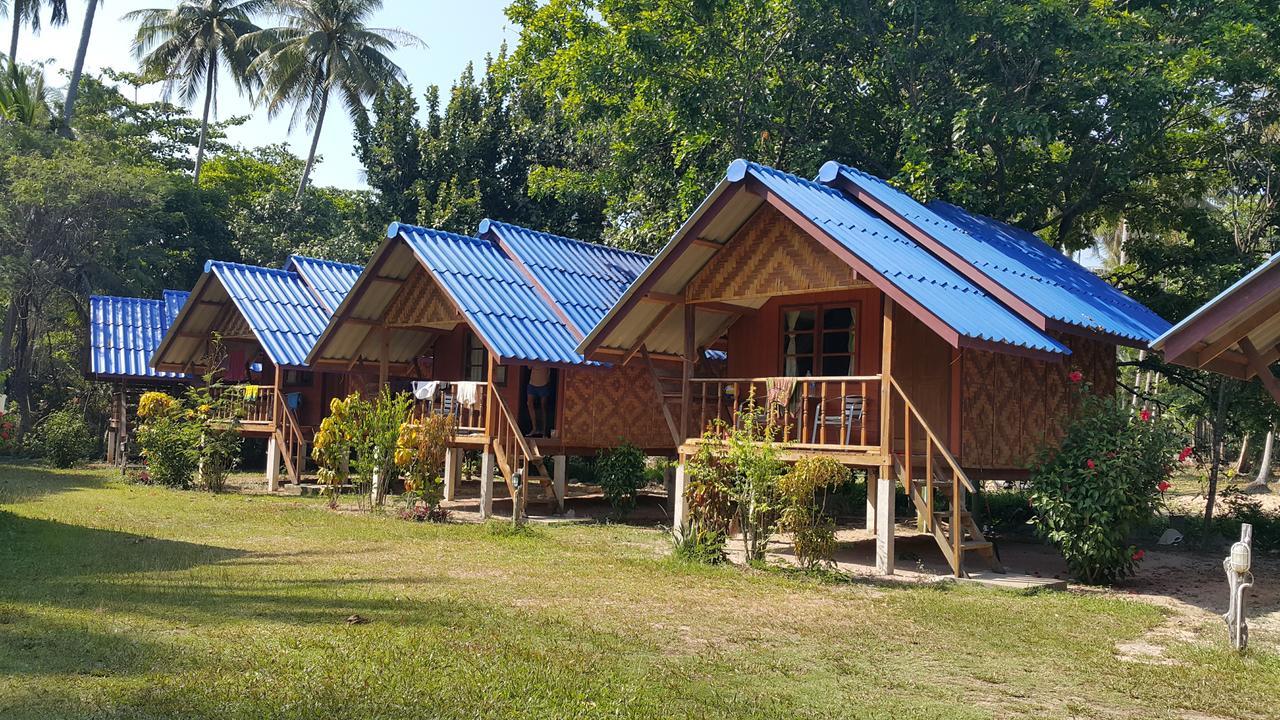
(421, 445)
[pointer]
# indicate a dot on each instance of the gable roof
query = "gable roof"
(285, 310)
(951, 304)
(331, 281)
(584, 280)
(125, 331)
(1213, 336)
(1043, 286)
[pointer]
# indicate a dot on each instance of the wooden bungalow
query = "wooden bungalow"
(265, 321)
(1236, 333)
(918, 342)
(487, 329)
(123, 333)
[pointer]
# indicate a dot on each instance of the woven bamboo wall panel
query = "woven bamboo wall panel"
(420, 301)
(605, 407)
(1013, 407)
(770, 256)
(234, 326)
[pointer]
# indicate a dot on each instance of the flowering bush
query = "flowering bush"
(331, 446)
(1099, 484)
(193, 438)
(8, 432)
(154, 404)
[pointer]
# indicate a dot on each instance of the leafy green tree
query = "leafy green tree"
(324, 48)
(190, 44)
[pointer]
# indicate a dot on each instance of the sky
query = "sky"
(455, 33)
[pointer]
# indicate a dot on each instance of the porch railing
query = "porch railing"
(818, 412)
(471, 418)
(256, 407)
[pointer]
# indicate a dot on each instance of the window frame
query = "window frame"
(817, 354)
(468, 359)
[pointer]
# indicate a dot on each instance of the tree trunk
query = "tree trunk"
(315, 141)
(6, 335)
(69, 107)
(13, 37)
(20, 378)
(1137, 382)
(1242, 462)
(1215, 455)
(212, 73)
(1264, 465)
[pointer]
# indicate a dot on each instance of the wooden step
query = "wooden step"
(976, 545)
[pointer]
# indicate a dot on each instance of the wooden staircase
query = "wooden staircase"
(516, 454)
(291, 439)
(938, 488)
(668, 386)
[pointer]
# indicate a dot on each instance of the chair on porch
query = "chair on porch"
(849, 413)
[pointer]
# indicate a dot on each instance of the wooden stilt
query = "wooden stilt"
(486, 484)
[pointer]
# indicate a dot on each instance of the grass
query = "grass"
(136, 602)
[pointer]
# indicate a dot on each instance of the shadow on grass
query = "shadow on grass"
(25, 482)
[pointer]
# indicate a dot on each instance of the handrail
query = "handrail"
(513, 426)
(798, 379)
(933, 437)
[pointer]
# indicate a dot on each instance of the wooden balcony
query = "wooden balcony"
(472, 419)
(839, 415)
(256, 409)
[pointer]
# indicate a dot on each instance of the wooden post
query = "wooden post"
(559, 479)
(273, 464)
(885, 484)
(486, 484)
(680, 512)
(686, 373)
(384, 359)
(452, 471)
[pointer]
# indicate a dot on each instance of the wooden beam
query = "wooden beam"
(705, 243)
(886, 371)
(724, 307)
(388, 280)
(1235, 332)
(668, 298)
(1259, 366)
(686, 371)
(384, 355)
(648, 330)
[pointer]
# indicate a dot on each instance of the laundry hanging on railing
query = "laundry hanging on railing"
(251, 392)
(425, 389)
(468, 393)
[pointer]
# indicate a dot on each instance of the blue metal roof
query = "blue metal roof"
(1048, 281)
(330, 280)
(500, 304)
(282, 313)
(942, 291)
(584, 279)
(125, 331)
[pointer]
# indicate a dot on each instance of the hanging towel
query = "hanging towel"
(425, 389)
(251, 392)
(468, 393)
(778, 390)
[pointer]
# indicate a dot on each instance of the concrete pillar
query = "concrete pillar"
(872, 474)
(884, 522)
(669, 483)
(452, 472)
(486, 485)
(559, 478)
(680, 506)
(273, 464)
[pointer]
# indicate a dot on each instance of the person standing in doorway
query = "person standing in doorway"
(538, 397)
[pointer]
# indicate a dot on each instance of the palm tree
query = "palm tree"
(69, 105)
(189, 44)
(27, 12)
(24, 98)
(324, 47)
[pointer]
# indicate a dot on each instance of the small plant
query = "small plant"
(331, 446)
(359, 440)
(620, 473)
(803, 492)
(214, 409)
(169, 438)
(8, 432)
(1100, 485)
(420, 452)
(63, 437)
(698, 543)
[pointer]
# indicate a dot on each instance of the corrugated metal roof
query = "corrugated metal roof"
(938, 288)
(282, 313)
(1051, 283)
(124, 332)
(330, 280)
(501, 306)
(584, 279)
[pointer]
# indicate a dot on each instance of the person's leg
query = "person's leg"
(540, 421)
(530, 402)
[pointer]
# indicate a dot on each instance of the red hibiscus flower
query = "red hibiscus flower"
(1137, 557)
(1186, 453)
(1090, 463)
(1164, 485)
(1076, 376)
(1145, 415)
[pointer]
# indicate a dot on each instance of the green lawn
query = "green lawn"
(137, 602)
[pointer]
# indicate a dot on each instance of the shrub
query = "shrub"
(217, 419)
(620, 473)
(170, 446)
(803, 494)
(1099, 485)
(8, 432)
(359, 438)
(63, 437)
(1239, 507)
(699, 544)
(420, 452)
